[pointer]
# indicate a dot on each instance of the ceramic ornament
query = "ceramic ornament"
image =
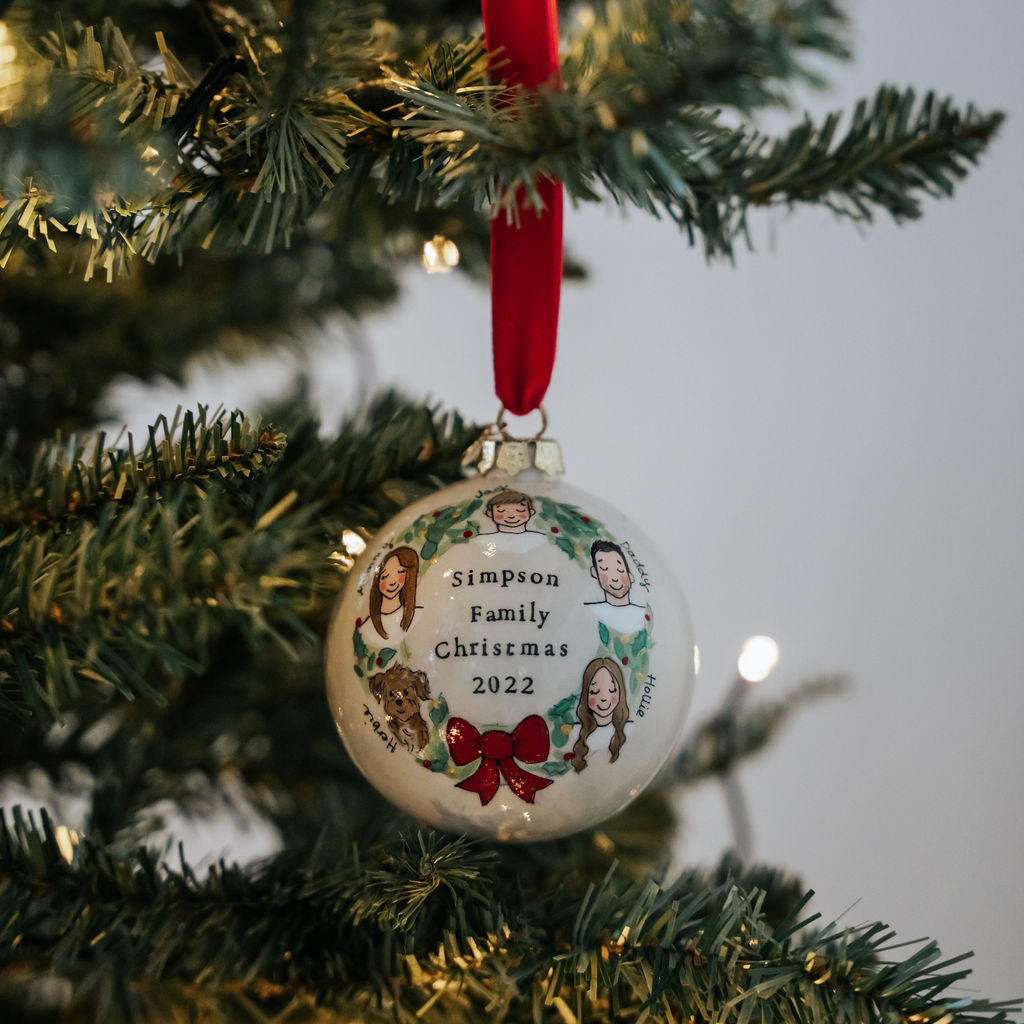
(511, 658)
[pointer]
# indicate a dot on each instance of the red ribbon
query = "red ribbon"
(526, 258)
(498, 752)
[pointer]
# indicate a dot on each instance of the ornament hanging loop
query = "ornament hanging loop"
(502, 427)
(496, 449)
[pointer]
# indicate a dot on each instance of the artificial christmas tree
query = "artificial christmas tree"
(163, 603)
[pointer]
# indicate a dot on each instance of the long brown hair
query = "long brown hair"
(588, 723)
(408, 559)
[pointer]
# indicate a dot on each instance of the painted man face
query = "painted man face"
(603, 696)
(392, 577)
(611, 573)
(510, 515)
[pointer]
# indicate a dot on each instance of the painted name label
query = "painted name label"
(379, 729)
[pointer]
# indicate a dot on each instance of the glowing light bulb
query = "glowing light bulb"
(354, 544)
(440, 254)
(10, 78)
(758, 656)
(67, 840)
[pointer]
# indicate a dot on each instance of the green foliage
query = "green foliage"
(65, 481)
(439, 930)
(725, 738)
(441, 529)
(62, 341)
(320, 103)
(316, 146)
(117, 572)
(356, 917)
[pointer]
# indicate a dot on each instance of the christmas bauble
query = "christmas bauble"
(510, 658)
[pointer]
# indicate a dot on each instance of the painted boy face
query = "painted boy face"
(392, 577)
(602, 696)
(511, 515)
(611, 573)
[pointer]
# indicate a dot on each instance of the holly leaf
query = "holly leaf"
(385, 656)
(640, 641)
(566, 545)
(358, 644)
(440, 713)
(437, 529)
(602, 632)
(564, 707)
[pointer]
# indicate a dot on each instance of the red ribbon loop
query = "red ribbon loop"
(526, 257)
(498, 752)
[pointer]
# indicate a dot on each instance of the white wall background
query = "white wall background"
(829, 437)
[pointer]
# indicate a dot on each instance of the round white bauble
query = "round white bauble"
(510, 658)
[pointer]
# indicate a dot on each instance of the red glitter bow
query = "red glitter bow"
(498, 752)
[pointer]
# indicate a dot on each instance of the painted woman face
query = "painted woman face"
(392, 577)
(603, 696)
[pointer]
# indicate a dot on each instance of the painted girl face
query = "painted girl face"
(392, 577)
(510, 515)
(603, 696)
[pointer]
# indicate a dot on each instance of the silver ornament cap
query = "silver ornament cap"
(496, 449)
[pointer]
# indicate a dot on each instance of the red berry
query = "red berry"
(426, 763)
(568, 757)
(437, 515)
(380, 661)
(625, 660)
(359, 622)
(554, 529)
(647, 617)
(467, 534)
(585, 519)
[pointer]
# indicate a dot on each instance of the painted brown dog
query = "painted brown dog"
(400, 690)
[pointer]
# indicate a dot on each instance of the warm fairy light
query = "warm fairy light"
(440, 254)
(354, 544)
(67, 840)
(758, 656)
(351, 544)
(8, 71)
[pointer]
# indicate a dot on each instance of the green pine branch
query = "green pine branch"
(703, 176)
(322, 105)
(439, 929)
(135, 587)
(63, 481)
(731, 735)
(64, 340)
